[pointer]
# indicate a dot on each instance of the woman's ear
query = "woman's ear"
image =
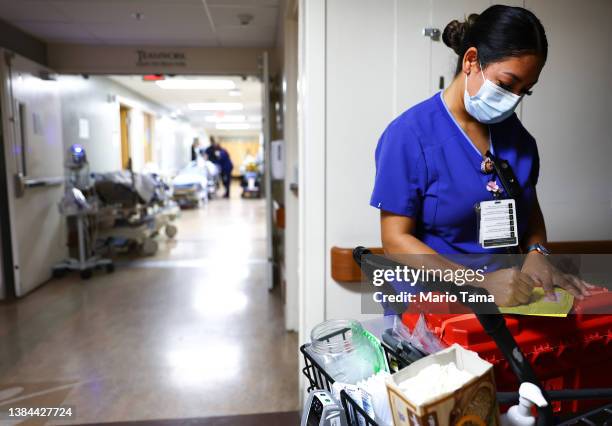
(470, 61)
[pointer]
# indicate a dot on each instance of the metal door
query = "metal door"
(33, 166)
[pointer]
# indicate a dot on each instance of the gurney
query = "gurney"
(134, 209)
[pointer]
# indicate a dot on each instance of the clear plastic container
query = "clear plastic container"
(346, 351)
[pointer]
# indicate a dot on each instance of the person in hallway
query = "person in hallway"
(219, 156)
(195, 149)
(434, 163)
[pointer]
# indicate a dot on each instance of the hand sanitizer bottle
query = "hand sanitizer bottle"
(520, 415)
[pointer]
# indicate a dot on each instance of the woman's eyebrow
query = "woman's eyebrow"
(517, 79)
(514, 77)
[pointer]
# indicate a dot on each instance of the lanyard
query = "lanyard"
(506, 175)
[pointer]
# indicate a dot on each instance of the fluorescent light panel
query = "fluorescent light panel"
(216, 106)
(195, 84)
(230, 118)
(233, 126)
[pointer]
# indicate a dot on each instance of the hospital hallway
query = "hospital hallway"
(191, 332)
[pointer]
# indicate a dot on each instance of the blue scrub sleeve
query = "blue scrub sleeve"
(400, 172)
(535, 166)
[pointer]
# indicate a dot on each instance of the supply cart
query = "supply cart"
(494, 325)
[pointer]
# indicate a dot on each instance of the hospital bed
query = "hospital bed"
(134, 209)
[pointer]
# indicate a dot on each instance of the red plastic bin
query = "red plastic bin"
(566, 353)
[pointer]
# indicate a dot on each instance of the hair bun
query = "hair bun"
(455, 33)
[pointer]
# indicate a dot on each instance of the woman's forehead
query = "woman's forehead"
(521, 69)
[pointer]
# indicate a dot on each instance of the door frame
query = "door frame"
(7, 285)
(266, 132)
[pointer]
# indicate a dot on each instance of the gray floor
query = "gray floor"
(190, 332)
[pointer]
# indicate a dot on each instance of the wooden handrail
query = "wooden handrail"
(343, 267)
(345, 270)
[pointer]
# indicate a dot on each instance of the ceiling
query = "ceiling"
(179, 23)
(179, 100)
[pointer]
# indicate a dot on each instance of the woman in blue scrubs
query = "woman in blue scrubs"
(431, 161)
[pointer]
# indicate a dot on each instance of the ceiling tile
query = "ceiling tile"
(166, 22)
(224, 16)
(23, 10)
(246, 37)
(187, 25)
(156, 12)
(55, 31)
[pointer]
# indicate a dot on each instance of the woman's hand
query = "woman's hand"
(547, 276)
(509, 287)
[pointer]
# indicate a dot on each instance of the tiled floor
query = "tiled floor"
(191, 332)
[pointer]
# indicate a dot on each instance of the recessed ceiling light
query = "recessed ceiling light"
(195, 84)
(225, 118)
(233, 126)
(235, 92)
(216, 106)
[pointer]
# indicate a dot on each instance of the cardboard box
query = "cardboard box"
(474, 404)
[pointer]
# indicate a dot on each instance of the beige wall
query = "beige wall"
(238, 149)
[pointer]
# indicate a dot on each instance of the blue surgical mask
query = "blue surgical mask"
(492, 104)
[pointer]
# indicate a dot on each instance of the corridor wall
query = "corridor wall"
(90, 116)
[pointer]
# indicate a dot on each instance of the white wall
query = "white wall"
(359, 103)
(97, 100)
(312, 180)
(88, 99)
(362, 62)
(569, 114)
(291, 163)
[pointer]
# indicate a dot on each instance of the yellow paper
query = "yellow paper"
(539, 305)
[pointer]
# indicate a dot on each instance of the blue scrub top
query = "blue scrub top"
(428, 169)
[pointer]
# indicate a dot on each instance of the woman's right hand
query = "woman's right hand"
(509, 287)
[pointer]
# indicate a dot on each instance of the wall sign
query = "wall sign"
(160, 58)
(83, 128)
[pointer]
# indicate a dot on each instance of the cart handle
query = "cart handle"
(561, 395)
(493, 322)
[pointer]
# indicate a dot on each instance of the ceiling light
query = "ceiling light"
(224, 118)
(195, 84)
(216, 106)
(235, 92)
(233, 126)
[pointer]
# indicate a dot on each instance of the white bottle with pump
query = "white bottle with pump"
(520, 415)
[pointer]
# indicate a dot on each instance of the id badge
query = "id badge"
(497, 224)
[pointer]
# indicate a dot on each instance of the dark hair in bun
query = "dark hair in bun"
(497, 33)
(454, 34)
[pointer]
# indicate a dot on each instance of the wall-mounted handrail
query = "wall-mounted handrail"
(345, 270)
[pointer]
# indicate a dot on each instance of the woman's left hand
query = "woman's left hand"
(548, 276)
